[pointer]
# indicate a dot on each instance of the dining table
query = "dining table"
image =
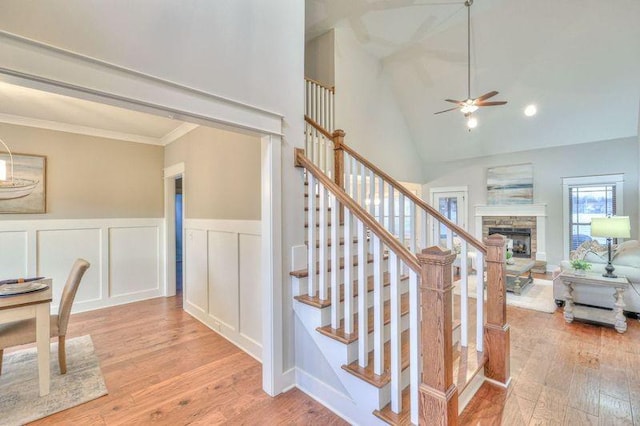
(36, 304)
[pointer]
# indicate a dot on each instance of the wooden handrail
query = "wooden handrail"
(318, 127)
(389, 240)
(420, 203)
(331, 89)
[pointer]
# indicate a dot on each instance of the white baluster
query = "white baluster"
(348, 273)
(331, 113)
(401, 224)
(479, 301)
(464, 294)
(335, 247)
(362, 171)
(424, 220)
(392, 210)
(413, 243)
(415, 361)
(395, 330)
(321, 108)
(323, 276)
(378, 306)
(354, 177)
(363, 326)
(311, 232)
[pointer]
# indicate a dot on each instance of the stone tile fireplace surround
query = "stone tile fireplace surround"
(533, 216)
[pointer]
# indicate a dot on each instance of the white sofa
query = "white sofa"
(625, 259)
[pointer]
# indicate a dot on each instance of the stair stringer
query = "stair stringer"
(361, 398)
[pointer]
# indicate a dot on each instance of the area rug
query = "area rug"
(537, 296)
(19, 396)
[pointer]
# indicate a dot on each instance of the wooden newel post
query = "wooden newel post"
(496, 330)
(338, 158)
(438, 393)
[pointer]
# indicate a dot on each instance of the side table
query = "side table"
(618, 285)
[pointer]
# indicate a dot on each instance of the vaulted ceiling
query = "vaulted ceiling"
(578, 61)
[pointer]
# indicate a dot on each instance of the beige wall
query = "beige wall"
(222, 173)
(92, 177)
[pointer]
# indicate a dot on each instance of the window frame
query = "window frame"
(587, 181)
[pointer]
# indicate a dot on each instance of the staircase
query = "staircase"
(389, 341)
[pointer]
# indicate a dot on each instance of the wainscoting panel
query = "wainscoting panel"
(228, 277)
(134, 265)
(128, 253)
(250, 288)
(13, 254)
(195, 276)
(58, 249)
(223, 278)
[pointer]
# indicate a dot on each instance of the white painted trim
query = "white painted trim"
(274, 380)
(34, 228)
(112, 84)
(464, 188)
(470, 390)
(77, 129)
(568, 182)
(512, 210)
(169, 238)
(250, 227)
(177, 133)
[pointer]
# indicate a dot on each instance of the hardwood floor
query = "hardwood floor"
(564, 374)
(161, 366)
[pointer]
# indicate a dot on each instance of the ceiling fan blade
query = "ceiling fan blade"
(446, 110)
(486, 96)
(453, 101)
(483, 104)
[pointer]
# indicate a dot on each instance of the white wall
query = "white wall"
(550, 165)
(240, 62)
(222, 279)
(125, 256)
(366, 109)
(319, 59)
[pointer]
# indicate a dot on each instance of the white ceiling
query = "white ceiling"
(578, 61)
(35, 108)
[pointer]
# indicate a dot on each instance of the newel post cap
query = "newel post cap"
(436, 255)
(495, 240)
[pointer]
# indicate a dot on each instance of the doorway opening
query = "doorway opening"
(178, 227)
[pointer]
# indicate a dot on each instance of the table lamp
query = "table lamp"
(610, 227)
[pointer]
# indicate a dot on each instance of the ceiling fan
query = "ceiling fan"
(470, 105)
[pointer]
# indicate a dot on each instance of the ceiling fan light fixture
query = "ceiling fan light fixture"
(472, 122)
(468, 108)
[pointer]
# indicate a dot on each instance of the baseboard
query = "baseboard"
(337, 402)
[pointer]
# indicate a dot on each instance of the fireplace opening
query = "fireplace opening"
(521, 238)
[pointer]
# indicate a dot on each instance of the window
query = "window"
(586, 198)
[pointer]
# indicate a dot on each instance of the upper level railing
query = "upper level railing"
(319, 103)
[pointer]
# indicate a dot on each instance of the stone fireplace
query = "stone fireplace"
(525, 224)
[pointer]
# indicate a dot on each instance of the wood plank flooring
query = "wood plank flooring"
(563, 374)
(161, 366)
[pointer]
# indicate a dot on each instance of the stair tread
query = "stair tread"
(346, 338)
(367, 373)
(302, 273)
(315, 301)
(340, 242)
(466, 363)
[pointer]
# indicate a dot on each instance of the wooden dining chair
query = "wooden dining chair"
(23, 332)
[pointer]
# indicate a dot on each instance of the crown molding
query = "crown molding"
(77, 129)
(177, 133)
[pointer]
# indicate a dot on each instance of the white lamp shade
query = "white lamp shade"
(3, 170)
(611, 227)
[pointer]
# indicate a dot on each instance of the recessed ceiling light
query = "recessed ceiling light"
(530, 110)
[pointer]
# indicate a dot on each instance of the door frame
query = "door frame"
(172, 173)
(75, 75)
(463, 191)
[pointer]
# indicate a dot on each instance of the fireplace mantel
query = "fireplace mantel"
(539, 211)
